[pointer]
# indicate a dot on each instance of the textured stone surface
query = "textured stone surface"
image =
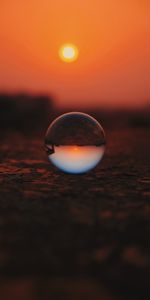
(75, 236)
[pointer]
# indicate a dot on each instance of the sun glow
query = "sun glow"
(68, 53)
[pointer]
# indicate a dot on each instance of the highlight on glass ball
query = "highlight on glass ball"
(75, 142)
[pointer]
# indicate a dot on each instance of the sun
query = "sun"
(68, 53)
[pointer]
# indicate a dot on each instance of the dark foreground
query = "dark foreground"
(75, 236)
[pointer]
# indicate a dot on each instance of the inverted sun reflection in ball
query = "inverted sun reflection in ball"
(75, 142)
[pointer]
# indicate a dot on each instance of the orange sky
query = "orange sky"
(113, 37)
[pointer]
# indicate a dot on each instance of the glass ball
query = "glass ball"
(75, 142)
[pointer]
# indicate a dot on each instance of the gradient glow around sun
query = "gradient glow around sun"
(68, 53)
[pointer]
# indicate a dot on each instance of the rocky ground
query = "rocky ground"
(75, 236)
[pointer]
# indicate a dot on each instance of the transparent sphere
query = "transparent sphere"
(75, 142)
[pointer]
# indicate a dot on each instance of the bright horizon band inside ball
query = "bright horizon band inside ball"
(75, 143)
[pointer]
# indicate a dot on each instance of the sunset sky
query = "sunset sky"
(113, 39)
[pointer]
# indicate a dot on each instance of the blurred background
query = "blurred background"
(110, 75)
